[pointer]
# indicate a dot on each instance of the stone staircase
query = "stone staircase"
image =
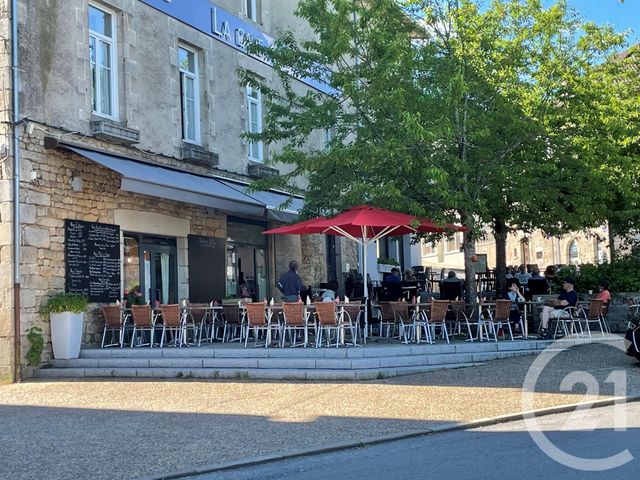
(232, 361)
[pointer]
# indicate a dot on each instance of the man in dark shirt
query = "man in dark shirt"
(394, 277)
(568, 298)
(290, 284)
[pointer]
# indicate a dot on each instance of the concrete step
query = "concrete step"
(239, 374)
(375, 360)
(288, 363)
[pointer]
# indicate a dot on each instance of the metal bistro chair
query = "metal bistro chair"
(143, 321)
(439, 309)
(421, 320)
(593, 315)
(387, 319)
(351, 316)
(567, 320)
(295, 319)
(406, 321)
(172, 322)
(462, 319)
(501, 318)
(202, 319)
(113, 323)
(328, 321)
(259, 319)
(233, 323)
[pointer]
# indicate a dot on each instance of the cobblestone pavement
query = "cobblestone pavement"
(129, 429)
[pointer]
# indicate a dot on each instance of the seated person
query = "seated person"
(522, 275)
(604, 294)
(568, 298)
(452, 277)
(451, 287)
(329, 294)
(394, 277)
(550, 273)
(392, 287)
(537, 284)
(513, 294)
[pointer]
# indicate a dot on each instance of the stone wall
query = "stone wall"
(50, 199)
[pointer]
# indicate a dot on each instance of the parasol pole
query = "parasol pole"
(364, 280)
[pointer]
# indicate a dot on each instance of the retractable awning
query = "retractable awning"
(163, 182)
(272, 200)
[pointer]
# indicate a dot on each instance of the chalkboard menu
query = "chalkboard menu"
(480, 264)
(92, 260)
(206, 268)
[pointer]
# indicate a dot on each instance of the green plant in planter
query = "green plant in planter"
(388, 261)
(65, 302)
(36, 339)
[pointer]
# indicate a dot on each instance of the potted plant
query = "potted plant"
(66, 314)
(386, 264)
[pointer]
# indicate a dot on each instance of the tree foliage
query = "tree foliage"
(452, 109)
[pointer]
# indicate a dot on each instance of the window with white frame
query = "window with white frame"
(573, 253)
(454, 243)
(189, 93)
(102, 49)
(428, 248)
(254, 122)
(328, 136)
(251, 9)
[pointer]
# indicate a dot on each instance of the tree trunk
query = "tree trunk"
(500, 233)
(612, 240)
(469, 248)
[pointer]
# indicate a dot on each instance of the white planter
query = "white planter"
(66, 334)
(384, 267)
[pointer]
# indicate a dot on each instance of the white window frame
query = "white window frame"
(428, 245)
(457, 242)
(251, 9)
(113, 48)
(257, 101)
(195, 76)
(328, 136)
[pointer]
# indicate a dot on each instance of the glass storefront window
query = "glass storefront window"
(131, 270)
(246, 269)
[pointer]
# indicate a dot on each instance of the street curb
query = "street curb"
(443, 428)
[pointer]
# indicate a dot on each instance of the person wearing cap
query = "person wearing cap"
(568, 298)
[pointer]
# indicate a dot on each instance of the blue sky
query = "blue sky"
(621, 16)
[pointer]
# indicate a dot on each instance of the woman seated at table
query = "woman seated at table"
(329, 295)
(604, 294)
(513, 294)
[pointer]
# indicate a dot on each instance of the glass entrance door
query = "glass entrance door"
(159, 272)
(150, 270)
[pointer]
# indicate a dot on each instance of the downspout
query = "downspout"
(16, 190)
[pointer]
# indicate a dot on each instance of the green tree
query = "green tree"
(444, 109)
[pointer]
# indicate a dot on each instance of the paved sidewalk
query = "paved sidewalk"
(132, 429)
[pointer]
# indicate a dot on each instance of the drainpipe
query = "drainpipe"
(16, 190)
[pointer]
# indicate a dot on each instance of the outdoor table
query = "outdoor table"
(416, 307)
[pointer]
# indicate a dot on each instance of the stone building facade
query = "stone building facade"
(531, 248)
(131, 115)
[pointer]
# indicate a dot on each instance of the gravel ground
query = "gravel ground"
(128, 429)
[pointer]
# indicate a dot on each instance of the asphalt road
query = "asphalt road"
(497, 452)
